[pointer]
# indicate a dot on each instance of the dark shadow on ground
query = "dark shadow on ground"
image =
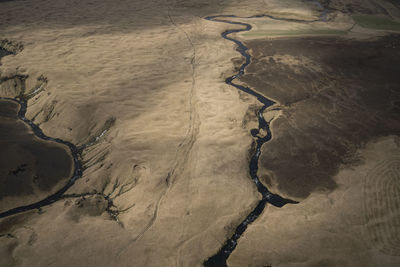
(115, 15)
(337, 95)
(28, 165)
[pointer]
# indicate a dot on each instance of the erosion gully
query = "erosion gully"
(220, 258)
(77, 172)
(22, 100)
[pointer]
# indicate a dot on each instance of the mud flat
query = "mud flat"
(30, 168)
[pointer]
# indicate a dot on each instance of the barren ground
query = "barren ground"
(30, 168)
(139, 87)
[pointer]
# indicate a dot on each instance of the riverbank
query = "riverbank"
(31, 169)
(176, 152)
(143, 83)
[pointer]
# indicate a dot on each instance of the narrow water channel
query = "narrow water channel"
(77, 166)
(222, 255)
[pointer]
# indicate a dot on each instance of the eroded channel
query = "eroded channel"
(30, 168)
(220, 258)
(222, 255)
(77, 167)
(55, 160)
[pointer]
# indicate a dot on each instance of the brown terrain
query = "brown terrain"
(30, 168)
(138, 87)
(335, 146)
(336, 95)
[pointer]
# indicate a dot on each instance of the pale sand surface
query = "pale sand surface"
(355, 225)
(128, 60)
(176, 159)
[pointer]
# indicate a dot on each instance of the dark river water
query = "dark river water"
(29, 159)
(220, 258)
(27, 163)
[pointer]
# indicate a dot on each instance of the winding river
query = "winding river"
(77, 173)
(222, 255)
(220, 258)
(22, 101)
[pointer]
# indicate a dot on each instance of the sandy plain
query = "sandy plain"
(146, 64)
(175, 159)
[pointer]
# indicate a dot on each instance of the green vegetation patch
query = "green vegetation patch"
(375, 22)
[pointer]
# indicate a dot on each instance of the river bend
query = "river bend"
(222, 255)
